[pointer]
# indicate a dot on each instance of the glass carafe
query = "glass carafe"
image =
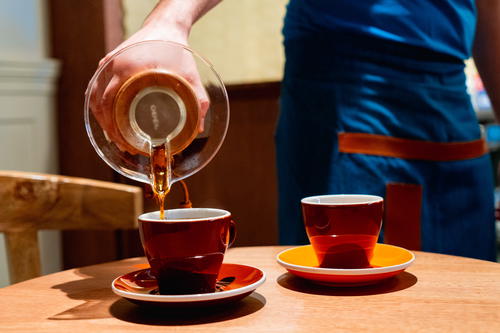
(156, 95)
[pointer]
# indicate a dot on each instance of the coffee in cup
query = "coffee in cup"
(185, 250)
(343, 229)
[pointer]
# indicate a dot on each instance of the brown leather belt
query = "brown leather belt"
(381, 145)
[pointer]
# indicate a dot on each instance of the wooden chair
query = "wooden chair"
(30, 202)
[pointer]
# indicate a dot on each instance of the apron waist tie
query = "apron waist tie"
(402, 222)
(381, 145)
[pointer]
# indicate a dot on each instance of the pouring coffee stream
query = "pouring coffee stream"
(161, 167)
(159, 135)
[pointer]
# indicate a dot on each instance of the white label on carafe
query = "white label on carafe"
(157, 113)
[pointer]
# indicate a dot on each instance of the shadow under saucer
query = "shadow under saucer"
(401, 281)
(149, 315)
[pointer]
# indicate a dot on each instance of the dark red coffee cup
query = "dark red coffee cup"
(343, 229)
(186, 249)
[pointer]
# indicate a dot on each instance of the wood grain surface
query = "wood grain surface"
(35, 201)
(23, 255)
(438, 293)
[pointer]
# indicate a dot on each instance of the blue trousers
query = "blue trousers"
(336, 84)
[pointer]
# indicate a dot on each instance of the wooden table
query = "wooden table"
(437, 293)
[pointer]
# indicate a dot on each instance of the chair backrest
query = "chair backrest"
(30, 202)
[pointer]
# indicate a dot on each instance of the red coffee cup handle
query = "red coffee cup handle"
(232, 232)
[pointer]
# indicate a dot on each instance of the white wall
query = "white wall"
(23, 29)
(27, 120)
(241, 38)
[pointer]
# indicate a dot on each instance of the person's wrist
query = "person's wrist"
(166, 30)
(167, 25)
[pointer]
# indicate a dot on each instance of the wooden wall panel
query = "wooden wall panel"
(81, 33)
(242, 177)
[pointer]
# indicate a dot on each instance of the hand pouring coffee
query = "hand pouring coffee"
(147, 122)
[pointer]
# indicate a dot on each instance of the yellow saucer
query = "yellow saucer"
(387, 261)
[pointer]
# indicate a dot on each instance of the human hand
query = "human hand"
(115, 71)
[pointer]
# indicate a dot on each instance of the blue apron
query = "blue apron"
(350, 83)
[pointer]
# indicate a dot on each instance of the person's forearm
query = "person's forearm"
(181, 14)
(487, 49)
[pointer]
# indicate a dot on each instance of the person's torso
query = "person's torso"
(444, 26)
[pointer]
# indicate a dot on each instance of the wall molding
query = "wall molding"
(19, 77)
